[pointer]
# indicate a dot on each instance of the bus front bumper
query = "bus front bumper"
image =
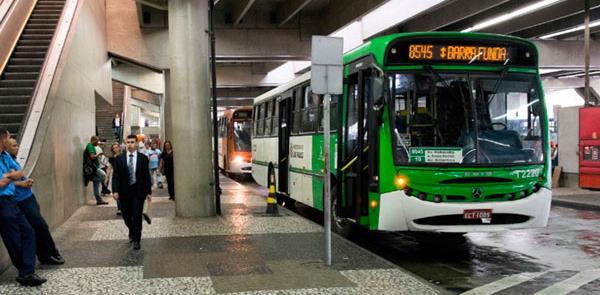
(399, 212)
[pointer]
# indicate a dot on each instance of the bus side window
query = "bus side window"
(260, 119)
(333, 112)
(296, 111)
(255, 120)
(268, 117)
(310, 110)
(275, 129)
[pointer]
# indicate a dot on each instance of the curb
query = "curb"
(576, 205)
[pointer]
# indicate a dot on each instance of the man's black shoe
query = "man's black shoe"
(136, 246)
(53, 260)
(31, 280)
(101, 203)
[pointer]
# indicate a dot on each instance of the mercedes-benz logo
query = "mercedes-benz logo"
(476, 192)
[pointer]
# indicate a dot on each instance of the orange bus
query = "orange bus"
(235, 147)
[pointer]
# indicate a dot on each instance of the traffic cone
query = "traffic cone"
(271, 201)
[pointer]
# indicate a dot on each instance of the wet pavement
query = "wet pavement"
(562, 258)
(244, 251)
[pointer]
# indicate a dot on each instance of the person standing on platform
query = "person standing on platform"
(115, 149)
(117, 127)
(103, 161)
(132, 184)
(99, 175)
(166, 167)
(153, 154)
(17, 234)
(45, 246)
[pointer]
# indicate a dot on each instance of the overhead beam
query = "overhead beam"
(138, 77)
(239, 9)
(267, 44)
(446, 15)
(542, 16)
(566, 54)
(158, 4)
(557, 25)
(287, 9)
(339, 13)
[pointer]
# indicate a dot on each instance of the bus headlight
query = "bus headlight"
(400, 182)
(238, 159)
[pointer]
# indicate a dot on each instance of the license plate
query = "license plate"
(477, 214)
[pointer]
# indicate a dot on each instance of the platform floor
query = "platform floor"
(576, 197)
(244, 251)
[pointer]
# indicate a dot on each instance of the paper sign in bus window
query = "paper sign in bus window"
(436, 155)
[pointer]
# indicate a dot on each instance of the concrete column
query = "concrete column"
(189, 103)
(166, 121)
(126, 120)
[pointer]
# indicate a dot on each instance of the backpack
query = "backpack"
(89, 167)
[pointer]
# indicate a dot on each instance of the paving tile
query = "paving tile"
(285, 275)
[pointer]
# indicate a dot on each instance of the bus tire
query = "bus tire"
(339, 225)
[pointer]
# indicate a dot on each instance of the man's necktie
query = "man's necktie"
(131, 171)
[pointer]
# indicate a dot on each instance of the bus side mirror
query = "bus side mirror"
(378, 100)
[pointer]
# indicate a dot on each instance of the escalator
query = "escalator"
(20, 76)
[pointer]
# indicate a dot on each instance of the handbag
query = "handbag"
(146, 211)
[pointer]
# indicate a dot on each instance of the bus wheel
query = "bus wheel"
(341, 226)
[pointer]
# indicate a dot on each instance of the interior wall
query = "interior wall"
(127, 38)
(568, 145)
(68, 119)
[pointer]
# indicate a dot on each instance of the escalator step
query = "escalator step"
(16, 91)
(15, 99)
(17, 83)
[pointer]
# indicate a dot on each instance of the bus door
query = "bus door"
(354, 150)
(284, 143)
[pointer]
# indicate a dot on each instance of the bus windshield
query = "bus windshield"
(241, 135)
(466, 118)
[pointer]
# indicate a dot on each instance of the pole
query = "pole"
(213, 67)
(327, 185)
(586, 49)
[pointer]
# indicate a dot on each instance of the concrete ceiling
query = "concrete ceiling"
(256, 36)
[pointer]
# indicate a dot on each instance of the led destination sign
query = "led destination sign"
(457, 53)
(449, 51)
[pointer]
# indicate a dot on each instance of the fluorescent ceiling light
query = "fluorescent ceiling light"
(571, 30)
(521, 11)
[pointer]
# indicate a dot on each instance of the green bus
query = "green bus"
(436, 132)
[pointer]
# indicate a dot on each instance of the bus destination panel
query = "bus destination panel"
(424, 51)
(494, 54)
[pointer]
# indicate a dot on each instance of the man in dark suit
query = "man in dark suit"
(132, 184)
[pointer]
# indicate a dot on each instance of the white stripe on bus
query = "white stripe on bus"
(504, 283)
(571, 284)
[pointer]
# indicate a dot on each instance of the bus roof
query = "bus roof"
(282, 88)
(377, 47)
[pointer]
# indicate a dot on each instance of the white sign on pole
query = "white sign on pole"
(326, 79)
(326, 69)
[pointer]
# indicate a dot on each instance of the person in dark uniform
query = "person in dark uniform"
(166, 167)
(132, 184)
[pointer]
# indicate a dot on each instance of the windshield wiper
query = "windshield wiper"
(499, 81)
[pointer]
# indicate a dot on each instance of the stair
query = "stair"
(105, 113)
(19, 79)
